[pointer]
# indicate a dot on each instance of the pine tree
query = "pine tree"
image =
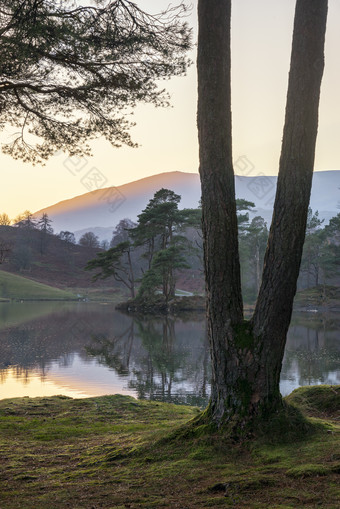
(247, 355)
(44, 225)
(70, 72)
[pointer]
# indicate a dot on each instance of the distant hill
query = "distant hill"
(101, 210)
(104, 208)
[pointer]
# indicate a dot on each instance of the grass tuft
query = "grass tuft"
(321, 401)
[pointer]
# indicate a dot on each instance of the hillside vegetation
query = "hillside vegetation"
(21, 288)
(55, 263)
(161, 252)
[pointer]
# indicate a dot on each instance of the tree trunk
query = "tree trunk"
(131, 276)
(219, 221)
(258, 271)
(172, 284)
(286, 238)
(247, 356)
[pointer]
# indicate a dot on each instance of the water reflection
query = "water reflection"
(312, 354)
(89, 349)
(50, 348)
(113, 352)
(162, 359)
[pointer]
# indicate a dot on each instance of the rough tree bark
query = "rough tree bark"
(247, 355)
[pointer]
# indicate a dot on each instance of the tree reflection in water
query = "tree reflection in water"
(312, 352)
(165, 367)
(113, 352)
(162, 358)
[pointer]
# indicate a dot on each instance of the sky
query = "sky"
(167, 138)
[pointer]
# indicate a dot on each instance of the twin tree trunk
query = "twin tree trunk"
(247, 355)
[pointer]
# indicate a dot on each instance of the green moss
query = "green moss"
(307, 470)
(245, 389)
(317, 400)
(244, 335)
(114, 451)
(287, 424)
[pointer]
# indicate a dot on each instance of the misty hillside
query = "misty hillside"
(55, 262)
(101, 210)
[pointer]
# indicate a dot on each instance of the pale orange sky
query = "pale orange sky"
(261, 42)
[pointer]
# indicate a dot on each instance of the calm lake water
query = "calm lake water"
(85, 349)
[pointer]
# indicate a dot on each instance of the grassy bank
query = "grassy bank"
(21, 288)
(115, 452)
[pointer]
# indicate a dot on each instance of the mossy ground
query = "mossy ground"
(115, 452)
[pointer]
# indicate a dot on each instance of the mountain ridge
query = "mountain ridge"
(102, 209)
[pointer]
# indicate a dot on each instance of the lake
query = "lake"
(87, 349)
